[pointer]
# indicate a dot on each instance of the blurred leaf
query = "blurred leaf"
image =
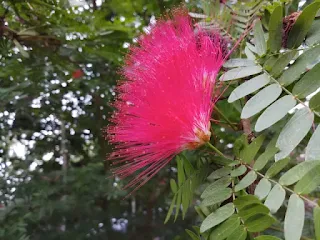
(259, 222)
(249, 152)
(316, 216)
(264, 158)
(225, 229)
(313, 147)
(238, 234)
(238, 171)
(260, 42)
(314, 103)
(266, 237)
(309, 182)
(238, 62)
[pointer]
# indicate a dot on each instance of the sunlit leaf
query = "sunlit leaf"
(262, 189)
(275, 198)
(240, 72)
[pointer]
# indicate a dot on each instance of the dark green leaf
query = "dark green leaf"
(316, 217)
(192, 235)
(308, 83)
(314, 103)
(275, 29)
(302, 25)
(217, 217)
(249, 152)
(294, 219)
(239, 233)
(277, 167)
(266, 237)
(243, 201)
(225, 229)
(221, 172)
(259, 222)
(173, 202)
(282, 62)
(252, 210)
(264, 158)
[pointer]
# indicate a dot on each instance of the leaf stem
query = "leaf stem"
(215, 149)
(225, 118)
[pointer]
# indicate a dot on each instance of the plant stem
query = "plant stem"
(215, 149)
(225, 118)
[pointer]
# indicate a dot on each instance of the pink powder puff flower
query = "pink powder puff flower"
(165, 103)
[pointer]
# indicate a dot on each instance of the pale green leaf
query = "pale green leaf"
(275, 29)
(243, 201)
(217, 217)
(308, 83)
(309, 182)
(259, 222)
(248, 87)
(264, 158)
(238, 171)
(225, 229)
(216, 186)
(297, 172)
(238, 234)
(249, 54)
(240, 72)
(246, 181)
(313, 147)
(248, 153)
(275, 198)
(238, 62)
(260, 42)
(262, 189)
(304, 62)
(316, 217)
(277, 167)
(293, 132)
(220, 196)
(313, 36)
(314, 103)
(261, 100)
(294, 219)
(275, 112)
(302, 26)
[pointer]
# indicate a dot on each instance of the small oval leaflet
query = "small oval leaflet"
(294, 219)
(261, 100)
(293, 132)
(313, 147)
(275, 198)
(275, 112)
(263, 188)
(240, 72)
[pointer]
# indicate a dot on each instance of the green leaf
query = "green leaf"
(238, 171)
(173, 185)
(275, 112)
(249, 152)
(186, 197)
(293, 132)
(275, 198)
(261, 100)
(316, 217)
(243, 201)
(238, 234)
(251, 210)
(294, 219)
(259, 40)
(266, 237)
(297, 172)
(225, 229)
(313, 36)
(282, 62)
(246, 181)
(216, 186)
(275, 29)
(259, 222)
(239, 62)
(277, 167)
(313, 147)
(192, 235)
(308, 83)
(302, 26)
(264, 158)
(309, 182)
(304, 62)
(314, 103)
(263, 188)
(220, 196)
(181, 175)
(23, 52)
(178, 204)
(249, 54)
(173, 202)
(221, 172)
(240, 72)
(217, 217)
(248, 87)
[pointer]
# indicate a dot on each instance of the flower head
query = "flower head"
(165, 103)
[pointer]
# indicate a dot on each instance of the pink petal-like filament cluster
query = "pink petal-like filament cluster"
(165, 103)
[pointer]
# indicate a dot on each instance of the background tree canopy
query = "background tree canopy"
(60, 61)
